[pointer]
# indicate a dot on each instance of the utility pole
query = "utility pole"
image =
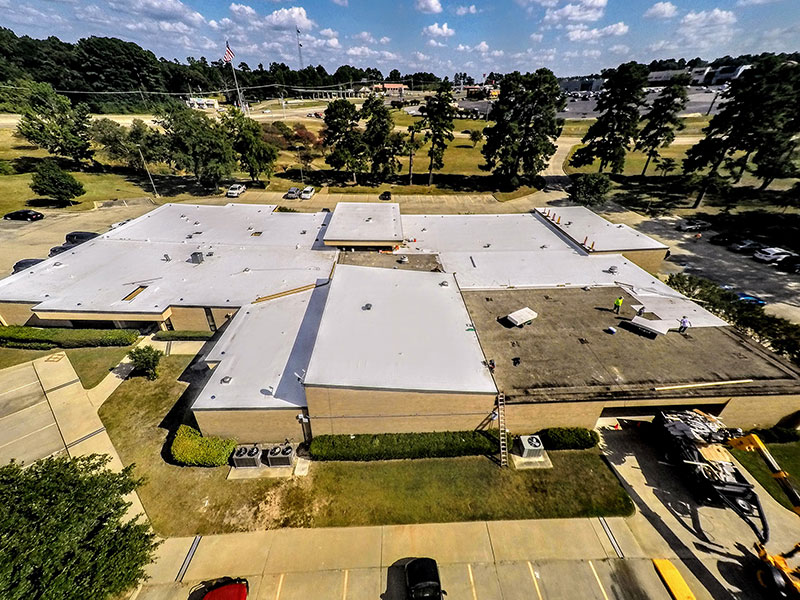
(150, 177)
(299, 47)
(710, 106)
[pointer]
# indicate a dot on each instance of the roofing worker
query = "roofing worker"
(685, 324)
(617, 305)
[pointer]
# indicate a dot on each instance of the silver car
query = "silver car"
(307, 193)
(236, 190)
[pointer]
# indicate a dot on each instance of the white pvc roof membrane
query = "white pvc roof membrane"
(237, 267)
(395, 329)
(365, 222)
(265, 351)
(584, 226)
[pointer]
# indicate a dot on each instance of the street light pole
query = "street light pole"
(150, 177)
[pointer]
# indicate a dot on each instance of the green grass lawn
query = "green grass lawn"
(634, 161)
(187, 501)
(13, 356)
(93, 364)
(788, 457)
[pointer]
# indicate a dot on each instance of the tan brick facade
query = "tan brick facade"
(251, 426)
(16, 313)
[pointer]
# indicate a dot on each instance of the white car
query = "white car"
(236, 190)
(307, 193)
(772, 255)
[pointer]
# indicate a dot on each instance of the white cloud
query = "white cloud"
(436, 31)
(385, 40)
(364, 36)
(585, 10)
(243, 11)
(536, 37)
(619, 49)
(591, 53)
(529, 5)
(333, 43)
(386, 55)
(581, 33)
(754, 2)
(285, 18)
(360, 52)
(328, 33)
(434, 44)
(662, 45)
(340, 2)
(661, 10)
(159, 10)
(706, 28)
(497, 53)
(428, 6)
(466, 10)
(482, 47)
(420, 57)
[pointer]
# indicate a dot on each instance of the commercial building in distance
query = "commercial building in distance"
(366, 320)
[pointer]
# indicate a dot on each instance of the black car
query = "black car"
(78, 237)
(56, 250)
(745, 246)
(385, 196)
(422, 580)
(790, 264)
(25, 214)
(724, 239)
(23, 264)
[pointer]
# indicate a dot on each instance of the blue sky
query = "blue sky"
(568, 36)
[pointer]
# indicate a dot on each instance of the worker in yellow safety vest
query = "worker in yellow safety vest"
(617, 305)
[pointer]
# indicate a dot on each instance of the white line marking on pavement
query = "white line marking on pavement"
(20, 387)
(14, 414)
(597, 579)
(344, 584)
(280, 585)
(22, 437)
(534, 577)
(472, 582)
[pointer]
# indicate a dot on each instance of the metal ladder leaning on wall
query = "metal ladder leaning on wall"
(501, 422)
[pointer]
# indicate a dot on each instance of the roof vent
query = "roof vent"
(613, 269)
(444, 284)
(367, 306)
(368, 220)
(167, 257)
(226, 379)
(196, 258)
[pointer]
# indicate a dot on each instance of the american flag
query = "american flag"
(228, 57)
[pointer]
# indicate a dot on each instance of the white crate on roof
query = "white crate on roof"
(523, 316)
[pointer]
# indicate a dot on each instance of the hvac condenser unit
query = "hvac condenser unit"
(280, 456)
(247, 456)
(530, 446)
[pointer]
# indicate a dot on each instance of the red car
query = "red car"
(231, 589)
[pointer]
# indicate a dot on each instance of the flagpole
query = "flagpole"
(238, 91)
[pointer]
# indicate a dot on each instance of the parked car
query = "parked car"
(422, 580)
(227, 589)
(56, 250)
(25, 214)
(26, 263)
(78, 237)
(772, 255)
(307, 193)
(693, 225)
(293, 193)
(236, 190)
(750, 299)
(746, 246)
(790, 264)
(119, 224)
(724, 239)
(385, 196)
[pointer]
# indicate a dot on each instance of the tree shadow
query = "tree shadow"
(49, 203)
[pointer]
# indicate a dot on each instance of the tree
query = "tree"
(344, 138)
(51, 181)
(589, 189)
(610, 136)
(129, 144)
(65, 531)
(777, 161)
(663, 120)
(410, 147)
(475, 136)
(51, 122)
(437, 120)
(198, 144)
(526, 125)
(394, 75)
(667, 165)
(145, 360)
(383, 144)
(255, 155)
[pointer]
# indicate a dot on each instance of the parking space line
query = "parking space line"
(20, 387)
(22, 437)
(280, 586)
(472, 582)
(344, 584)
(597, 579)
(14, 414)
(534, 577)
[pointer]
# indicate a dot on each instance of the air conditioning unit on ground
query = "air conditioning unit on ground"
(247, 456)
(530, 446)
(281, 455)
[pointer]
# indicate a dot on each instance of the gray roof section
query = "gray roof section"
(394, 329)
(265, 351)
(365, 222)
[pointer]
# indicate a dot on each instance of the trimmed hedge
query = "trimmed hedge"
(29, 345)
(388, 446)
(778, 435)
(66, 338)
(181, 336)
(568, 438)
(190, 448)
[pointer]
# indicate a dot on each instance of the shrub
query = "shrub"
(589, 189)
(388, 446)
(67, 338)
(145, 360)
(30, 345)
(176, 336)
(778, 435)
(190, 448)
(51, 181)
(286, 209)
(568, 438)
(6, 168)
